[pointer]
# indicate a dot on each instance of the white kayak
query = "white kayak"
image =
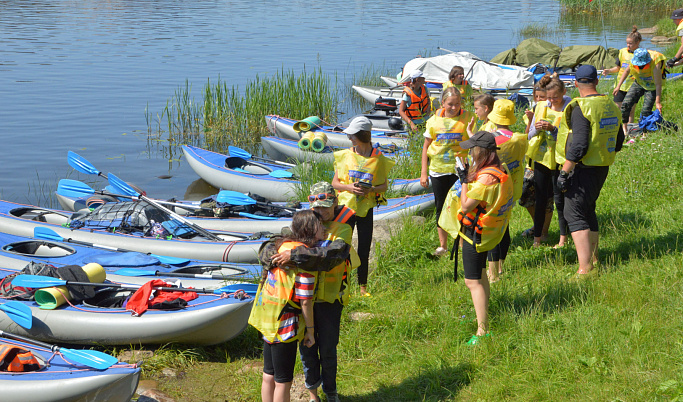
(256, 178)
(286, 150)
(284, 127)
(64, 380)
(22, 220)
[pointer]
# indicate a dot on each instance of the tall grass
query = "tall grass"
(620, 6)
(227, 115)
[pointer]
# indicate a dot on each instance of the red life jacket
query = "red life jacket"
(16, 359)
(418, 104)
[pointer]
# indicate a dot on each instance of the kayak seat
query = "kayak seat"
(244, 166)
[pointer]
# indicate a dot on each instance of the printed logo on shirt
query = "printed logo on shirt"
(609, 122)
(357, 175)
(449, 137)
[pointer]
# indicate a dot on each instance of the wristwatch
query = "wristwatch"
(564, 174)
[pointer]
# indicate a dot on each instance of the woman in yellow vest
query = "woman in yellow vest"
(646, 69)
(542, 140)
(513, 147)
(360, 178)
(480, 218)
(623, 62)
(456, 79)
(284, 296)
(443, 134)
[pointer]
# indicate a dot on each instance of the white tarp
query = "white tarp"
(479, 73)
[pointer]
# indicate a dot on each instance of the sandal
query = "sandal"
(440, 251)
(529, 233)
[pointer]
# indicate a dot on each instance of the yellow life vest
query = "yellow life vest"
(542, 145)
(333, 285)
(447, 133)
(645, 76)
(512, 154)
(273, 298)
(465, 88)
(605, 119)
(485, 225)
(488, 126)
(352, 168)
(624, 64)
(679, 28)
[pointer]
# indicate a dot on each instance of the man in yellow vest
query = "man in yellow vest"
(677, 16)
(597, 135)
(332, 293)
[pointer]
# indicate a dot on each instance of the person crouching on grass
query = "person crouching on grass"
(284, 296)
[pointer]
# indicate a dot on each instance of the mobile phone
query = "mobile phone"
(363, 184)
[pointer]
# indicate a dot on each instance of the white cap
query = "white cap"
(416, 74)
(360, 123)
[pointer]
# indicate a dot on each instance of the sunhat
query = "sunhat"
(360, 123)
(641, 57)
(503, 112)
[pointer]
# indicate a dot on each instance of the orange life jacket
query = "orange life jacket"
(418, 104)
(16, 359)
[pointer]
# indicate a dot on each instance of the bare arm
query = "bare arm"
(402, 111)
(424, 175)
(657, 71)
(621, 81)
(339, 186)
(307, 310)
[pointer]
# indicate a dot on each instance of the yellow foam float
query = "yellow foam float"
(51, 298)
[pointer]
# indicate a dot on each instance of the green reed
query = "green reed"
(537, 30)
(227, 115)
(620, 5)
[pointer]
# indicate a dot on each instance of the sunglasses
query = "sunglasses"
(321, 197)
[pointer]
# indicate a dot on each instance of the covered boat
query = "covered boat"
(16, 252)
(22, 220)
(64, 380)
(256, 177)
(284, 149)
(284, 127)
(207, 320)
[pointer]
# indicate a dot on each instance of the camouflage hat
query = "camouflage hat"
(322, 187)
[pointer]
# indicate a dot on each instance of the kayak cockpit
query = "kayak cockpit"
(38, 248)
(40, 215)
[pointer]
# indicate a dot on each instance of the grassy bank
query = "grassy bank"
(620, 6)
(616, 337)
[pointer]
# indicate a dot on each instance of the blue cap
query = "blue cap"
(586, 73)
(641, 57)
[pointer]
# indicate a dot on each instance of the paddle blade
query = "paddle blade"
(249, 288)
(80, 164)
(135, 272)
(238, 152)
(91, 358)
(121, 186)
(234, 198)
(19, 313)
(43, 233)
(74, 188)
(281, 174)
(164, 259)
(36, 281)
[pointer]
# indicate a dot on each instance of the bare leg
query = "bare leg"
(494, 271)
(480, 291)
(443, 237)
(267, 388)
(282, 390)
(313, 395)
(584, 251)
(594, 246)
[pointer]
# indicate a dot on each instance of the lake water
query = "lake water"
(79, 74)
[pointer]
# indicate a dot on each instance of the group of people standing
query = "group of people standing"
(478, 169)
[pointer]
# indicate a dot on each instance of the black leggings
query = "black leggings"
(545, 181)
(279, 359)
(441, 185)
(501, 250)
(364, 226)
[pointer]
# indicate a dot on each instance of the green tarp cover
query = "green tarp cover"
(532, 51)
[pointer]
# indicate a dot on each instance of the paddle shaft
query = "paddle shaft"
(118, 286)
(199, 229)
(53, 348)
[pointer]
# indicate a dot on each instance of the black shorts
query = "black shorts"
(581, 198)
(474, 263)
(619, 97)
(279, 360)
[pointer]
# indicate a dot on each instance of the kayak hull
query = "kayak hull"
(66, 381)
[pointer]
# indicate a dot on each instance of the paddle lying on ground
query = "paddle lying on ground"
(19, 313)
(76, 189)
(91, 358)
(150, 272)
(123, 187)
(43, 233)
(37, 282)
(237, 198)
(241, 153)
(82, 165)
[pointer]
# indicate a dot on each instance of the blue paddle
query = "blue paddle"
(150, 272)
(37, 282)
(241, 153)
(44, 233)
(124, 188)
(237, 198)
(19, 313)
(82, 165)
(91, 358)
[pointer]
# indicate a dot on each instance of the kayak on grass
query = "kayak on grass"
(256, 178)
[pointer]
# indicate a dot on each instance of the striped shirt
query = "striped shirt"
(304, 289)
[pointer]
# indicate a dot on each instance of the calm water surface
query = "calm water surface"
(78, 75)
